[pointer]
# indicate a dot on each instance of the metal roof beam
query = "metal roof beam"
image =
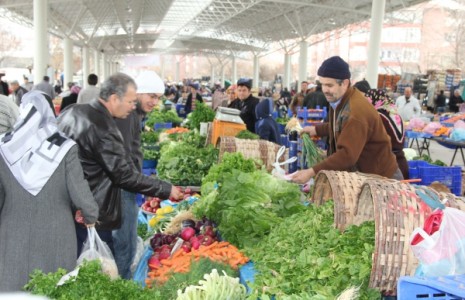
(330, 7)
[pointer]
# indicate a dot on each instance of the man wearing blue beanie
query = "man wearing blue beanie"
(356, 135)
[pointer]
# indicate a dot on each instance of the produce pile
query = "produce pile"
(306, 257)
(187, 161)
(157, 117)
(202, 113)
(90, 284)
(195, 247)
(246, 203)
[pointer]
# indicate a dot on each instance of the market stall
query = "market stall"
(243, 231)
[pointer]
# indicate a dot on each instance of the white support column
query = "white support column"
(212, 74)
(287, 71)
(234, 71)
(377, 17)
(223, 78)
(162, 62)
(178, 71)
(302, 62)
(68, 60)
(104, 65)
(97, 65)
(255, 71)
(40, 39)
(85, 65)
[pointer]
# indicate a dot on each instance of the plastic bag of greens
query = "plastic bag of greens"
(95, 248)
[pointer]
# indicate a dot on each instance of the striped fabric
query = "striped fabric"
(8, 114)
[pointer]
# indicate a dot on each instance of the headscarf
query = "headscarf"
(75, 89)
(34, 148)
(386, 107)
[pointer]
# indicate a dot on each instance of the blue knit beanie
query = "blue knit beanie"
(334, 67)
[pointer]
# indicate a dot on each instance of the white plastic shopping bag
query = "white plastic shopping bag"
(95, 248)
(440, 244)
(278, 171)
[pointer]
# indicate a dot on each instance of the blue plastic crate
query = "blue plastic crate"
(449, 176)
(162, 126)
(282, 128)
(284, 140)
(149, 171)
(437, 288)
(181, 110)
(414, 166)
(149, 164)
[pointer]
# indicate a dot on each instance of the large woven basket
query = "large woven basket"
(397, 211)
(344, 189)
(257, 149)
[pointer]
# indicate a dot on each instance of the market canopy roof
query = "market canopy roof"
(121, 27)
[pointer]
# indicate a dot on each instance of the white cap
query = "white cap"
(149, 82)
(311, 86)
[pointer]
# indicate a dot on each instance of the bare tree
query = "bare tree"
(10, 43)
(457, 36)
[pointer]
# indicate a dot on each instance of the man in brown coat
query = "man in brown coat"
(357, 138)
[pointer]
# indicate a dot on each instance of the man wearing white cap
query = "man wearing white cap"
(149, 88)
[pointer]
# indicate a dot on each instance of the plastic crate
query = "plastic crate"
(162, 126)
(437, 288)
(222, 128)
(284, 140)
(149, 171)
(149, 164)
(449, 176)
(181, 110)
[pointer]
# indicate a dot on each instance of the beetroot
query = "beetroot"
(154, 262)
(187, 233)
(186, 246)
(164, 254)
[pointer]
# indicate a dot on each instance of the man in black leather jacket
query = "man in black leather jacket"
(103, 156)
(249, 102)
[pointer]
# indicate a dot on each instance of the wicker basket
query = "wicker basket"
(397, 211)
(257, 149)
(343, 188)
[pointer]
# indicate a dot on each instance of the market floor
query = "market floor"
(444, 154)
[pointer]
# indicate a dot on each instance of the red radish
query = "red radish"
(207, 241)
(188, 191)
(154, 263)
(165, 254)
(154, 203)
(186, 196)
(195, 244)
(186, 246)
(209, 231)
(187, 233)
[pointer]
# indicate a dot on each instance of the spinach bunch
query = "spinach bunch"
(306, 255)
